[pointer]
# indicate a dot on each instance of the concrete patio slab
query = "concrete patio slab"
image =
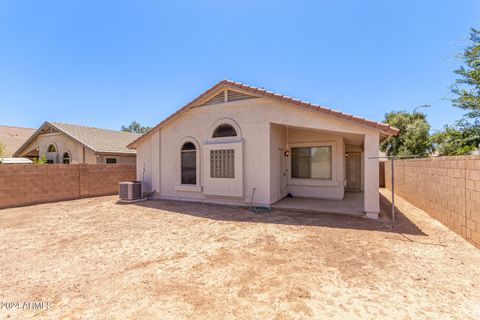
(351, 205)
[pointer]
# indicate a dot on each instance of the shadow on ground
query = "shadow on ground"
(240, 214)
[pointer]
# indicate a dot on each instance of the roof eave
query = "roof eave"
(382, 127)
(30, 139)
(121, 153)
(36, 133)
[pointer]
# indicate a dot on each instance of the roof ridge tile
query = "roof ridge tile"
(269, 94)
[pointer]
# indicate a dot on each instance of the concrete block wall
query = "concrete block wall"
(31, 184)
(381, 177)
(447, 188)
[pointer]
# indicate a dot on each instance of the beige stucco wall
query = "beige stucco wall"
(254, 118)
(148, 163)
(101, 158)
(371, 174)
(278, 163)
(197, 125)
(63, 144)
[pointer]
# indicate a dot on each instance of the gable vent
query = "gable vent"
(219, 98)
(234, 96)
(228, 97)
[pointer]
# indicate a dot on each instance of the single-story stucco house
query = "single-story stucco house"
(71, 143)
(235, 142)
(11, 138)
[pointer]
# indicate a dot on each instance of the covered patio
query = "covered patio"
(351, 205)
(324, 169)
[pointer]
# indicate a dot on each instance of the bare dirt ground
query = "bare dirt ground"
(93, 258)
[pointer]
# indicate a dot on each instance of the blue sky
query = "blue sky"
(105, 63)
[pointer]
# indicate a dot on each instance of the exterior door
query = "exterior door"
(282, 180)
(354, 171)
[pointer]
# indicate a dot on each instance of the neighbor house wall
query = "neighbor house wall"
(63, 144)
(447, 188)
(78, 152)
(120, 158)
(30, 184)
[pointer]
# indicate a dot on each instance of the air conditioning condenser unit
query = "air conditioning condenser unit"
(130, 191)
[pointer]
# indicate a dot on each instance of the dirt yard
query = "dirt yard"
(93, 258)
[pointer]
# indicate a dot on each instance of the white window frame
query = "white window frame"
(108, 157)
(232, 165)
(52, 155)
(314, 181)
(54, 145)
(219, 122)
(188, 187)
(69, 156)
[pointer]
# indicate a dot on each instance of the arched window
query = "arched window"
(224, 130)
(66, 158)
(52, 148)
(189, 163)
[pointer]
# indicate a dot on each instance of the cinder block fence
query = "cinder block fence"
(447, 188)
(30, 184)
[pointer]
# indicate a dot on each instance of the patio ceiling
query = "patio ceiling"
(350, 138)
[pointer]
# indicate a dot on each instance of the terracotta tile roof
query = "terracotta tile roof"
(97, 139)
(385, 128)
(13, 137)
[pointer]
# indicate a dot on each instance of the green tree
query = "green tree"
(413, 138)
(467, 88)
(41, 160)
(135, 127)
(2, 148)
(461, 138)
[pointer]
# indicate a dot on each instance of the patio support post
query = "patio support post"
(371, 183)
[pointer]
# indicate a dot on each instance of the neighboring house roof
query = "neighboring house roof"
(383, 127)
(12, 138)
(97, 139)
(15, 161)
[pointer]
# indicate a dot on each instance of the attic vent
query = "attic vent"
(229, 96)
(219, 98)
(233, 96)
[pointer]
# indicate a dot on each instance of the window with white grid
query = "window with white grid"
(222, 164)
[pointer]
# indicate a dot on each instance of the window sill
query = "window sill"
(188, 188)
(313, 182)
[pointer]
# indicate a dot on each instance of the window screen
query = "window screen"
(189, 163)
(312, 163)
(224, 130)
(111, 160)
(222, 164)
